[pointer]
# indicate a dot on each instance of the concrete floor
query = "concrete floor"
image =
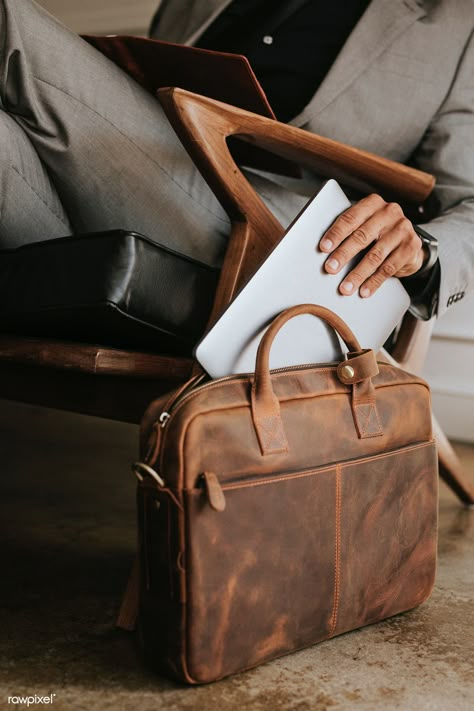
(67, 519)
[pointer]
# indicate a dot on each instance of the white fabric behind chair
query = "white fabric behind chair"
(449, 370)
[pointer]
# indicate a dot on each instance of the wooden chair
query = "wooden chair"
(204, 126)
(119, 384)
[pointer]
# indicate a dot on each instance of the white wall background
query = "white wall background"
(449, 369)
(103, 16)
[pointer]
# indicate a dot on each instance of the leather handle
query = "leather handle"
(356, 371)
(262, 368)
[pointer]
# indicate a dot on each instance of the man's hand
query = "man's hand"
(396, 248)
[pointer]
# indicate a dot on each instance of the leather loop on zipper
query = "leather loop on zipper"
(359, 366)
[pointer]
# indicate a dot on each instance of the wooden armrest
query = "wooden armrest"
(90, 359)
(204, 124)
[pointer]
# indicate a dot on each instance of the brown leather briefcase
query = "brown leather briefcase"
(279, 509)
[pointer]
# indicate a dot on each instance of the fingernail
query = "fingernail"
(326, 244)
(347, 286)
(365, 292)
(332, 264)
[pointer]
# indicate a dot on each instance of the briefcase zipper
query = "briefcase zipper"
(215, 490)
(187, 390)
(186, 393)
(192, 389)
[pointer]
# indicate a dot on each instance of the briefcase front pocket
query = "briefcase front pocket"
(298, 557)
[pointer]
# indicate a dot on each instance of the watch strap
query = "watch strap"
(431, 244)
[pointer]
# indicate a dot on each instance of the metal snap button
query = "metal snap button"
(347, 372)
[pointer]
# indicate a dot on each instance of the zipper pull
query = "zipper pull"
(215, 494)
(163, 419)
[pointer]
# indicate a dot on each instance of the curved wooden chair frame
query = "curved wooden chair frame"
(204, 125)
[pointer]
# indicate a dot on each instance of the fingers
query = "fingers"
(351, 220)
(381, 263)
(396, 248)
(369, 231)
(403, 261)
(376, 261)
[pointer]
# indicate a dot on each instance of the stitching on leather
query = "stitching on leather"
(322, 470)
(379, 429)
(400, 450)
(270, 434)
(372, 412)
(313, 472)
(364, 425)
(274, 480)
(337, 554)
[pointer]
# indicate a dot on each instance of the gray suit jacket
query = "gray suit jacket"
(402, 87)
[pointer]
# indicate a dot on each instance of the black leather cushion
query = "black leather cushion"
(113, 288)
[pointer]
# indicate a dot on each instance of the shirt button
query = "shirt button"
(268, 39)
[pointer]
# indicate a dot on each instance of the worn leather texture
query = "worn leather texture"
(114, 288)
(247, 555)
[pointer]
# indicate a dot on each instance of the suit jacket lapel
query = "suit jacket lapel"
(379, 26)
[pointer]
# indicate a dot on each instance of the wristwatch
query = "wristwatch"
(430, 245)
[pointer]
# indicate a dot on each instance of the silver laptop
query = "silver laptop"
(293, 274)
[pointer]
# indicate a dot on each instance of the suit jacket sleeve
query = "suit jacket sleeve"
(447, 151)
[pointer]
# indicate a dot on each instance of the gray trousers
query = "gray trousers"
(84, 148)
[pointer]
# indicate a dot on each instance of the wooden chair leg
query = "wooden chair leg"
(450, 468)
(128, 612)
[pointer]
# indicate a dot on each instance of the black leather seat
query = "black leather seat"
(113, 288)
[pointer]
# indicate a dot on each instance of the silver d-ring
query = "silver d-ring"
(140, 469)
